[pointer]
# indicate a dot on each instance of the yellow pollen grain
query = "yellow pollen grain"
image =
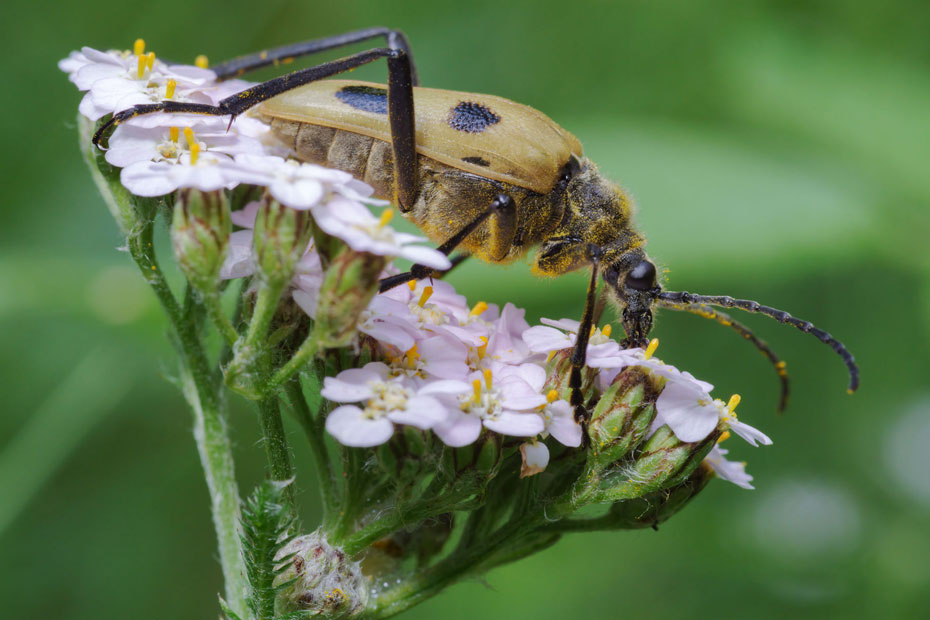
(195, 152)
(606, 331)
(427, 293)
(412, 285)
(412, 357)
(140, 71)
(733, 402)
(723, 436)
(386, 216)
(651, 349)
(488, 379)
(479, 309)
(552, 396)
(150, 60)
(169, 89)
(201, 61)
(189, 136)
(483, 349)
(174, 133)
(476, 386)
(138, 48)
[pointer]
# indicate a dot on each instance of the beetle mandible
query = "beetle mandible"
(475, 172)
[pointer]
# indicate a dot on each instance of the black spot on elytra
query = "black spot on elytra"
(472, 117)
(478, 161)
(365, 98)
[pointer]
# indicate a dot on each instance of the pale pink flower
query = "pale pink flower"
(731, 471)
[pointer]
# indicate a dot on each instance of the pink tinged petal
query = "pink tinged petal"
(535, 458)
(352, 385)
(544, 339)
(238, 262)
(388, 332)
(245, 217)
(352, 427)
(445, 386)
(561, 424)
(306, 301)
(424, 412)
(147, 179)
(731, 471)
(752, 435)
(569, 325)
(516, 424)
(460, 429)
(690, 413)
(425, 256)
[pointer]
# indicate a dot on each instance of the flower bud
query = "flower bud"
(621, 419)
(320, 580)
(281, 238)
(481, 458)
(348, 285)
(655, 508)
(406, 454)
(200, 230)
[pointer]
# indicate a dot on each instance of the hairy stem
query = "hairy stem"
(276, 448)
(314, 432)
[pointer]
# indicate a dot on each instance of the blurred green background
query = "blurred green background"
(778, 151)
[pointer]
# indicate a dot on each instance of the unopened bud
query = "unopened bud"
(319, 579)
(348, 286)
(281, 238)
(621, 419)
(482, 459)
(655, 508)
(405, 455)
(200, 232)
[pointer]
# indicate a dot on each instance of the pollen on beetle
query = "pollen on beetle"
(201, 61)
(479, 309)
(651, 349)
(169, 88)
(174, 133)
(427, 293)
(138, 47)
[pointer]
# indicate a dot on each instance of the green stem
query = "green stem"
(243, 370)
(276, 448)
(307, 350)
(314, 432)
(215, 309)
(210, 431)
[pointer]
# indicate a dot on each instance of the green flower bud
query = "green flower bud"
(621, 419)
(406, 455)
(349, 284)
(658, 507)
(482, 459)
(319, 579)
(200, 230)
(281, 238)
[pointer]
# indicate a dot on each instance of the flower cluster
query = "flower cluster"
(441, 365)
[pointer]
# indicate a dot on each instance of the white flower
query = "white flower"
(559, 418)
(602, 352)
(300, 185)
(693, 414)
(131, 144)
(535, 456)
(388, 401)
(731, 471)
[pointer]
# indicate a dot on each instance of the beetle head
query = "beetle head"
(632, 280)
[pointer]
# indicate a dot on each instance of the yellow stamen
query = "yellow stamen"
(189, 136)
(174, 133)
(169, 89)
(487, 378)
(412, 357)
(138, 48)
(723, 436)
(140, 71)
(427, 293)
(551, 355)
(606, 331)
(483, 349)
(386, 217)
(479, 308)
(201, 61)
(552, 396)
(476, 386)
(734, 401)
(150, 60)
(593, 329)
(412, 285)
(651, 349)
(195, 151)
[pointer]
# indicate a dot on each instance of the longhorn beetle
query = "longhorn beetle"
(474, 172)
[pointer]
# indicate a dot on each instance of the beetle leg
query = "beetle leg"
(579, 353)
(504, 210)
(286, 53)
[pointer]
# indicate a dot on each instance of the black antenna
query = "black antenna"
(726, 320)
(779, 315)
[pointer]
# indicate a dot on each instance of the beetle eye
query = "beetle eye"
(570, 169)
(642, 277)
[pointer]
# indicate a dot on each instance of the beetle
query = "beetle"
(475, 172)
